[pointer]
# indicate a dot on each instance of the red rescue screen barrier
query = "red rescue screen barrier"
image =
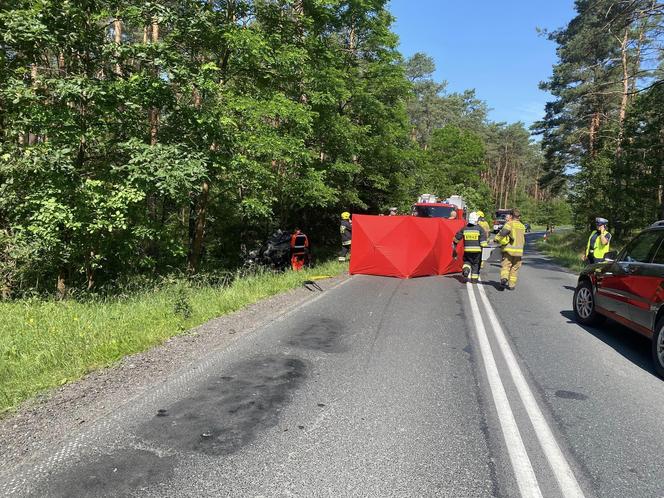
(404, 246)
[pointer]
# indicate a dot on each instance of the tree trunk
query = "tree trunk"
(502, 183)
(199, 229)
(592, 134)
(117, 38)
(61, 286)
(89, 271)
(32, 137)
(625, 90)
(154, 112)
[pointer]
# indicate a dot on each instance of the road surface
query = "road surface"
(387, 387)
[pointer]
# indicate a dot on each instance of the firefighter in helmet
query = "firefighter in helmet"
(346, 230)
(474, 239)
(485, 226)
(512, 239)
(483, 223)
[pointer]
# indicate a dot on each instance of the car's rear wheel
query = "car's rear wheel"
(584, 304)
(658, 347)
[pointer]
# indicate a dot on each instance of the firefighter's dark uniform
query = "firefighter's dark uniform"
(474, 239)
(346, 229)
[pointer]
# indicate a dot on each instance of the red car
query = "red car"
(629, 290)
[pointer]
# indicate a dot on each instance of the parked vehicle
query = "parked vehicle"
(500, 219)
(429, 206)
(628, 288)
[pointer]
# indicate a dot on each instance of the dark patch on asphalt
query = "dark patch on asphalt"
(121, 473)
(226, 413)
(320, 334)
(571, 395)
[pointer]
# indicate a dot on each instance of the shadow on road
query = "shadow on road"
(629, 344)
(463, 280)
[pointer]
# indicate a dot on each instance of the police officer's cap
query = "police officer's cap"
(601, 221)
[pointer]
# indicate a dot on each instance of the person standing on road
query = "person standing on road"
(483, 223)
(485, 226)
(346, 230)
(598, 242)
(474, 240)
(512, 238)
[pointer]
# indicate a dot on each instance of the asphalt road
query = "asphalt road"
(386, 387)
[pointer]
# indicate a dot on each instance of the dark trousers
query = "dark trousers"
(592, 259)
(474, 261)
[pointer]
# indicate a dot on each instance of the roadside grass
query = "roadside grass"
(568, 247)
(44, 344)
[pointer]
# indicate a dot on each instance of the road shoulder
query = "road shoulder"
(55, 414)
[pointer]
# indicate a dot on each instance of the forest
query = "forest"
(167, 138)
(603, 133)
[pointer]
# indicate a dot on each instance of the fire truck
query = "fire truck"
(430, 206)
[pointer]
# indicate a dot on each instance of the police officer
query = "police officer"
(598, 242)
(474, 239)
(512, 238)
(346, 230)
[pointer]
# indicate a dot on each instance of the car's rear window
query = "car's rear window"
(433, 211)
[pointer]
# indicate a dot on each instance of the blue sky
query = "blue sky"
(489, 45)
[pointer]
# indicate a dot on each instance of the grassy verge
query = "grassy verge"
(567, 248)
(44, 343)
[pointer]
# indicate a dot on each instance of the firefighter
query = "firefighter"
(393, 211)
(299, 250)
(483, 223)
(598, 242)
(485, 226)
(512, 238)
(474, 240)
(346, 229)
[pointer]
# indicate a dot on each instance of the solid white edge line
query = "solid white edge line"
(523, 469)
(561, 468)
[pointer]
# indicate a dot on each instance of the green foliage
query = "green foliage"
(604, 126)
(140, 137)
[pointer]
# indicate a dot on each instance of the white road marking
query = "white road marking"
(561, 468)
(523, 469)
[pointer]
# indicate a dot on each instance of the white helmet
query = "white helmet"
(473, 218)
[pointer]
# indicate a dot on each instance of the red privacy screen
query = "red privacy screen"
(404, 246)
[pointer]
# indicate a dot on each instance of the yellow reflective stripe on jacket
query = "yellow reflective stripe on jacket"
(515, 237)
(472, 249)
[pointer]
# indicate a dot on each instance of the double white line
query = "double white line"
(523, 469)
